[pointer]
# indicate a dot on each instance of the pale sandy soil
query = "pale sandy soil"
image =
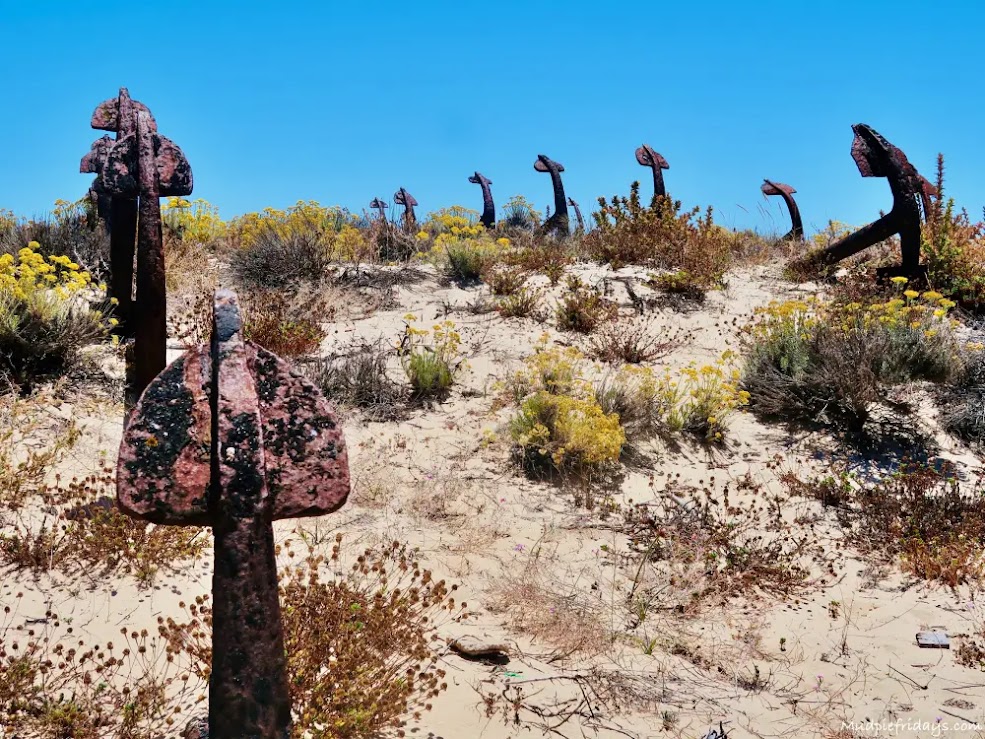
(524, 553)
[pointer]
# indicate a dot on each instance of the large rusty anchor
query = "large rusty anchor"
(578, 216)
(876, 157)
(136, 170)
(380, 206)
(648, 157)
(558, 222)
(796, 232)
(488, 218)
(404, 198)
(228, 436)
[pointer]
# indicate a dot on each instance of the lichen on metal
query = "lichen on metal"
(134, 171)
(229, 436)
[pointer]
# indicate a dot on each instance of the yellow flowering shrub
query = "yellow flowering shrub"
(696, 399)
(305, 216)
(431, 359)
(47, 313)
(570, 423)
(566, 432)
(196, 220)
(827, 360)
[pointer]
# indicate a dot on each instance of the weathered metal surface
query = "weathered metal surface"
(381, 206)
(228, 436)
(876, 157)
(581, 221)
(786, 192)
(134, 171)
(558, 223)
(488, 218)
(648, 157)
(404, 198)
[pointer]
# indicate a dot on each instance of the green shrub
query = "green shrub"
(48, 313)
(830, 362)
(519, 304)
(660, 235)
(431, 359)
(278, 255)
(565, 433)
(582, 308)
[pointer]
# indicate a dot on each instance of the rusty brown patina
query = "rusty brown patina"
(876, 157)
(230, 437)
(380, 206)
(646, 156)
(488, 218)
(134, 171)
(404, 198)
(578, 217)
(796, 232)
(558, 223)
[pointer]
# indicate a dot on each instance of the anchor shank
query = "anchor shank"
(248, 691)
(150, 331)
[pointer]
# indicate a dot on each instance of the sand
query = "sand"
(548, 578)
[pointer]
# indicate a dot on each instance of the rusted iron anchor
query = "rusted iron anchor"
(578, 217)
(558, 223)
(404, 198)
(228, 436)
(796, 233)
(646, 156)
(488, 219)
(381, 206)
(876, 157)
(136, 170)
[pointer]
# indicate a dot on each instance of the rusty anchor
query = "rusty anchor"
(228, 436)
(581, 221)
(381, 206)
(876, 157)
(135, 171)
(404, 198)
(648, 157)
(558, 223)
(488, 219)
(796, 233)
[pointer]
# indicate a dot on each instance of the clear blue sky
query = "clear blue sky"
(342, 102)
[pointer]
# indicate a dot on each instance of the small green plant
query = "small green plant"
(680, 283)
(504, 281)
(519, 304)
(430, 359)
(582, 308)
